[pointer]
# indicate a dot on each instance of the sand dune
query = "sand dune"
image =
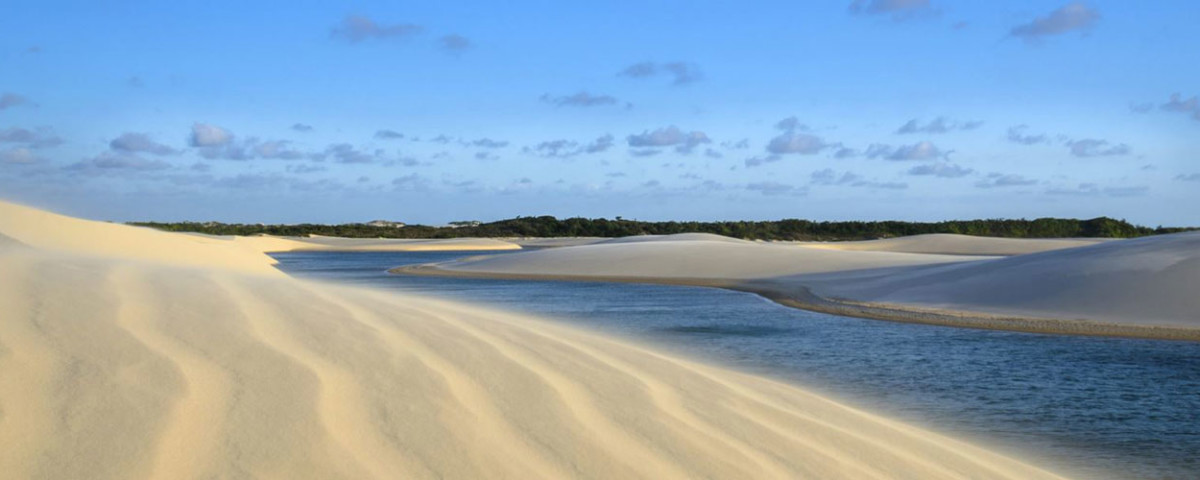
(1152, 280)
(53, 232)
(949, 244)
(1125, 287)
(662, 257)
(117, 365)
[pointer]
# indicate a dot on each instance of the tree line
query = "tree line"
(790, 229)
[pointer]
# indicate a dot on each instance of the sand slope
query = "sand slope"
(49, 231)
(1152, 280)
(114, 366)
(664, 257)
(950, 244)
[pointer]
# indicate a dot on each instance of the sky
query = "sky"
(434, 112)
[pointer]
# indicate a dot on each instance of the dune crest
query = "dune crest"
(118, 366)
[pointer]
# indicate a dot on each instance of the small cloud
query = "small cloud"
(581, 99)
(845, 152)
(1083, 189)
(139, 143)
(18, 156)
(486, 143)
(454, 43)
(486, 156)
(995, 180)
(791, 124)
(1191, 177)
(941, 170)
(300, 127)
(711, 153)
(9, 100)
(761, 160)
(34, 50)
(738, 145)
(276, 149)
(916, 151)
(304, 168)
(1179, 105)
(793, 142)
(684, 142)
(1070, 17)
(830, 177)
(388, 135)
(135, 82)
(41, 137)
(937, 126)
(681, 73)
(1017, 135)
(442, 139)
(347, 153)
(776, 189)
(410, 182)
(205, 135)
(356, 28)
(554, 148)
(897, 9)
(600, 144)
(116, 163)
(1090, 147)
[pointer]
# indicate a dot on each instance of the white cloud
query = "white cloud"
(356, 28)
(1070, 17)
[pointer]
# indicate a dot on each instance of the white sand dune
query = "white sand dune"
(53, 232)
(118, 360)
(950, 244)
(1090, 287)
(665, 258)
(1151, 280)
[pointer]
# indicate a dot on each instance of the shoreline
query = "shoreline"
(802, 298)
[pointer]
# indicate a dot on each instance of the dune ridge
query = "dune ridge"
(117, 366)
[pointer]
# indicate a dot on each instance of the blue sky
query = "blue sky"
(868, 109)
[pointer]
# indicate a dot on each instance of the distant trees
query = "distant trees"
(789, 229)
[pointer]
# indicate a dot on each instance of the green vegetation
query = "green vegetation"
(791, 229)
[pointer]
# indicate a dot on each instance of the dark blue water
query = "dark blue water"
(1091, 407)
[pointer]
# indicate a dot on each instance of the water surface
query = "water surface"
(1095, 407)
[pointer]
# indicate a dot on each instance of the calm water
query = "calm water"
(1095, 407)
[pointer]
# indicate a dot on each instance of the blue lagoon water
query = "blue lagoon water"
(1092, 407)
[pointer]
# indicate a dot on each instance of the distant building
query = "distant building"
(385, 224)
